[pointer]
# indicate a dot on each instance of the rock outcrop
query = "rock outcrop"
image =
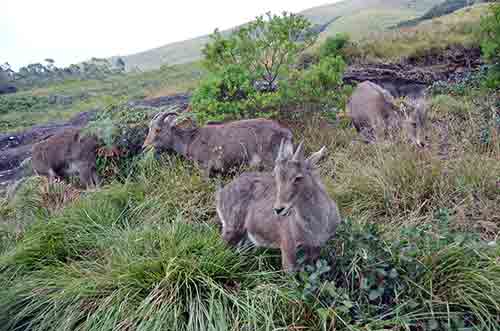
(411, 76)
(7, 88)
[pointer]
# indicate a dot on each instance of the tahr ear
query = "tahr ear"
(313, 160)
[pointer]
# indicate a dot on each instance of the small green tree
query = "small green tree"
(267, 48)
(491, 42)
(246, 65)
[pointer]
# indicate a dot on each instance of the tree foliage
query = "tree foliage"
(266, 47)
(37, 74)
(255, 70)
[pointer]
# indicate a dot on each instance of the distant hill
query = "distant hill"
(444, 8)
(356, 17)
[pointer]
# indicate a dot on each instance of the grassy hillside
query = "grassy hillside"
(458, 28)
(30, 107)
(441, 9)
(24, 109)
(323, 14)
(367, 21)
(176, 53)
(353, 16)
(417, 249)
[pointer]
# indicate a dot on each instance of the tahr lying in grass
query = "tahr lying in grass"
(217, 148)
(285, 209)
(374, 114)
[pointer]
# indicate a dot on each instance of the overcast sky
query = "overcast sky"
(70, 31)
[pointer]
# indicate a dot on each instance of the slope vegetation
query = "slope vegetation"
(461, 28)
(351, 16)
(442, 9)
(418, 248)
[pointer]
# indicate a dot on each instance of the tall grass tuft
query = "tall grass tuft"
(173, 276)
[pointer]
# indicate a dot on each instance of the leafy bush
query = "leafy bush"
(249, 66)
(121, 131)
(333, 46)
(230, 93)
(491, 42)
(321, 84)
(24, 103)
(371, 277)
(263, 67)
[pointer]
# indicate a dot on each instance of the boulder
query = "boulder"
(7, 88)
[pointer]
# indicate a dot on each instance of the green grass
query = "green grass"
(374, 43)
(368, 22)
(144, 252)
(418, 248)
(15, 115)
(458, 28)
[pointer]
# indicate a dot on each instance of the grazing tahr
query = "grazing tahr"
(286, 209)
(218, 147)
(67, 153)
(374, 114)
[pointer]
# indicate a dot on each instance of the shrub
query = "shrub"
(491, 43)
(230, 94)
(334, 46)
(24, 103)
(401, 280)
(122, 131)
(321, 84)
(263, 67)
(262, 48)
(248, 66)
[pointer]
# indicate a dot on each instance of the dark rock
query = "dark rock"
(449, 59)
(180, 100)
(413, 75)
(12, 158)
(7, 88)
(40, 132)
